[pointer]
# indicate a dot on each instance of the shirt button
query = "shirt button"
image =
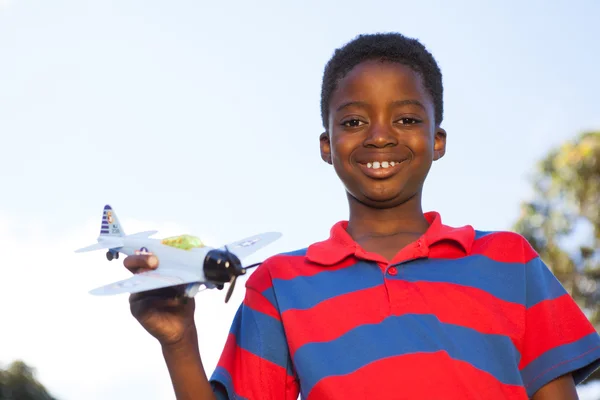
(393, 271)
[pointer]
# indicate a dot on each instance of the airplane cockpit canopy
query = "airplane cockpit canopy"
(184, 242)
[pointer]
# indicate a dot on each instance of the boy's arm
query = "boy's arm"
(186, 369)
(169, 318)
(562, 388)
(560, 347)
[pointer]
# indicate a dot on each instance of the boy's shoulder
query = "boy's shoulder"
(279, 266)
(503, 246)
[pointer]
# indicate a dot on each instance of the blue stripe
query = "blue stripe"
(261, 335)
(407, 334)
(295, 253)
(563, 360)
(526, 284)
(541, 283)
(107, 207)
(224, 378)
(325, 285)
(502, 280)
(104, 231)
(105, 226)
(482, 234)
(269, 294)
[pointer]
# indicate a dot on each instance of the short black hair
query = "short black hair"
(391, 47)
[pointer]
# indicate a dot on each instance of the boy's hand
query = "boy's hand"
(164, 313)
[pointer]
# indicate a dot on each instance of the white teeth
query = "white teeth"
(383, 164)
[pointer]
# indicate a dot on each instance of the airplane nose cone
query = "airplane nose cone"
(220, 266)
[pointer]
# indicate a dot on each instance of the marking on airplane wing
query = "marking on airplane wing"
(248, 243)
(143, 250)
(130, 283)
(126, 284)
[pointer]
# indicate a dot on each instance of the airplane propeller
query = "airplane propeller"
(222, 266)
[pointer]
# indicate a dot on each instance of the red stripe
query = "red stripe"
(287, 268)
(508, 247)
(446, 250)
(552, 323)
(325, 322)
(416, 376)
(258, 302)
(251, 374)
(292, 267)
(459, 305)
(454, 304)
(260, 279)
(231, 360)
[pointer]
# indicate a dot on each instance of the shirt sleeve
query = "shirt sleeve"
(255, 363)
(558, 337)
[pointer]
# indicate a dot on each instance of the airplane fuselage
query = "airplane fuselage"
(171, 255)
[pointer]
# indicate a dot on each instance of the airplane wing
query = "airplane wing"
(142, 235)
(105, 244)
(148, 281)
(245, 247)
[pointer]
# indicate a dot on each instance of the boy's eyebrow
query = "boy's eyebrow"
(396, 103)
(409, 102)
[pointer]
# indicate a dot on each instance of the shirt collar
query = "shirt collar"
(340, 244)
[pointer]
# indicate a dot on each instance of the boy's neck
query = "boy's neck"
(368, 222)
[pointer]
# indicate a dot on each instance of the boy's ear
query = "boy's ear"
(325, 147)
(439, 144)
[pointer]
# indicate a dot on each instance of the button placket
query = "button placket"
(391, 278)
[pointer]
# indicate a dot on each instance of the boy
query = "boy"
(394, 305)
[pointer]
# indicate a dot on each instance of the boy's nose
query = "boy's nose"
(380, 135)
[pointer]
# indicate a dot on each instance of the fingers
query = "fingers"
(170, 298)
(163, 293)
(141, 303)
(173, 295)
(140, 263)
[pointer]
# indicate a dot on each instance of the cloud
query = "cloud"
(83, 346)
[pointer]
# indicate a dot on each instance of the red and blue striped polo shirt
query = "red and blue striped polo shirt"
(458, 314)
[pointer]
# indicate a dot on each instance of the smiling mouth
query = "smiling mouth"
(382, 164)
(381, 169)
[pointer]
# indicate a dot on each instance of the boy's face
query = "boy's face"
(382, 134)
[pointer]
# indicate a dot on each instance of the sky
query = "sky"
(203, 118)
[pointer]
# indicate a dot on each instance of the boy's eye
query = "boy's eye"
(352, 122)
(408, 121)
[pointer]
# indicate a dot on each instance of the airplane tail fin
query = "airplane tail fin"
(111, 227)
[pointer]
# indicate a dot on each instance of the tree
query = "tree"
(562, 221)
(18, 382)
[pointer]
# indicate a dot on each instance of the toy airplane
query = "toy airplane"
(183, 260)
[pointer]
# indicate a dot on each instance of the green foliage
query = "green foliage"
(562, 222)
(18, 382)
